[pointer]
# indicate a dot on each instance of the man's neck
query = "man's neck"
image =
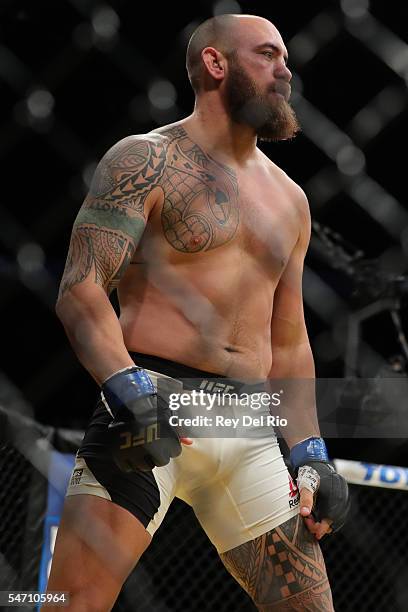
(218, 134)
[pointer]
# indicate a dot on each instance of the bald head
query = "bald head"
(239, 62)
(225, 33)
(214, 32)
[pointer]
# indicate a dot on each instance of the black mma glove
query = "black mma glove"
(140, 436)
(332, 494)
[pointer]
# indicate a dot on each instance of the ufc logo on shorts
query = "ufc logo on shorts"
(150, 434)
(215, 387)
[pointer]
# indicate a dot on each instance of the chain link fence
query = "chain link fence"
(15, 474)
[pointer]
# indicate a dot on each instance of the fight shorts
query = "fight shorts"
(238, 485)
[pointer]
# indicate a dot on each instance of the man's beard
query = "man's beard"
(272, 118)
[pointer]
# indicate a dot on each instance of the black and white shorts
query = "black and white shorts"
(238, 487)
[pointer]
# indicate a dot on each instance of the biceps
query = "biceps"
(288, 321)
(99, 253)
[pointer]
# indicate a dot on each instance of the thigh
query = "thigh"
(108, 521)
(98, 544)
(146, 495)
(252, 493)
(282, 569)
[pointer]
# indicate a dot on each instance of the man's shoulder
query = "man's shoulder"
(145, 144)
(294, 190)
(134, 143)
(169, 132)
(138, 161)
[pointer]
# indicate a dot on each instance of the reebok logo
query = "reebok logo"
(294, 496)
(76, 476)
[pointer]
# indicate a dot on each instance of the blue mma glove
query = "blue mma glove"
(332, 498)
(140, 436)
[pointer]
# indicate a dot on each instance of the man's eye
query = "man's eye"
(268, 54)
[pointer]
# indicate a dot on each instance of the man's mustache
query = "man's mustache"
(283, 88)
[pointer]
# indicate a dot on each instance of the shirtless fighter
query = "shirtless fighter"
(204, 238)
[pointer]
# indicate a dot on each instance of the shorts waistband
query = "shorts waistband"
(194, 379)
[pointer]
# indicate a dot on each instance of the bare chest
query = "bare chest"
(269, 223)
(201, 200)
(207, 206)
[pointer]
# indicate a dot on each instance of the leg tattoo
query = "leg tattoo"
(282, 570)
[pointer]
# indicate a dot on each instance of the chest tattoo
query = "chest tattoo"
(200, 210)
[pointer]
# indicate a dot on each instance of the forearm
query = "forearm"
(94, 331)
(293, 371)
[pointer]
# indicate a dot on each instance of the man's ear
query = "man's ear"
(214, 63)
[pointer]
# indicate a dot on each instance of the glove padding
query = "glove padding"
(140, 436)
(332, 498)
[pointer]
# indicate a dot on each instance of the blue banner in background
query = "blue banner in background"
(59, 472)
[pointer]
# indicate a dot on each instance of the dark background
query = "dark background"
(76, 76)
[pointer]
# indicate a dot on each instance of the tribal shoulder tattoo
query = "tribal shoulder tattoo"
(282, 570)
(200, 210)
(111, 221)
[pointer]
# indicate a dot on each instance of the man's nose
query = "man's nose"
(282, 71)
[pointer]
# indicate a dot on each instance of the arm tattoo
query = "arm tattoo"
(111, 220)
(200, 210)
(282, 570)
(107, 252)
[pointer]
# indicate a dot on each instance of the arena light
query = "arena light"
(31, 257)
(162, 94)
(354, 8)
(40, 104)
(350, 160)
(105, 22)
